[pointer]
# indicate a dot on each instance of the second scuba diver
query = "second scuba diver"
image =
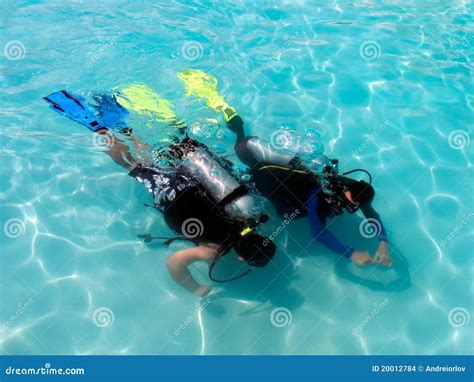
(290, 184)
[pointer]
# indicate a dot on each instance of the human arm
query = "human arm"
(178, 266)
(325, 237)
(117, 149)
(382, 256)
(374, 217)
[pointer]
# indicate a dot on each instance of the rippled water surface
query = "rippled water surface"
(388, 86)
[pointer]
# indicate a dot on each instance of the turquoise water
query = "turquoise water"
(387, 85)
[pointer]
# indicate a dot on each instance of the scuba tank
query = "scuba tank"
(325, 170)
(222, 190)
(222, 186)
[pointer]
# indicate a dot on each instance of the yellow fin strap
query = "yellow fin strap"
(229, 113)
(246, 231)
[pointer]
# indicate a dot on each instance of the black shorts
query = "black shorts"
(163, 185)
(185, 204)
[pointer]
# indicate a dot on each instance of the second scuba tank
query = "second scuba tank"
(325, 169)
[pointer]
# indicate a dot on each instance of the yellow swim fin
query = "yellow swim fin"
(142, 100)
(204, 86)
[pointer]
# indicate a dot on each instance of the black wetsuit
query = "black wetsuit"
(181, 198)
(290, 190)
(286, 190)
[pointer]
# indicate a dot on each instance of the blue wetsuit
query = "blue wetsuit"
(317, 220)
(288, 191)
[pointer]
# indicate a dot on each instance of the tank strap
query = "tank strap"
(239, 191)
(281, 168)
(147, 238)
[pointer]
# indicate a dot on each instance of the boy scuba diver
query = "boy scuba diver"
(217, 214)
(316, 188)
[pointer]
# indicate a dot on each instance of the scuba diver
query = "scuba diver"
(198, 198)
(316, 188)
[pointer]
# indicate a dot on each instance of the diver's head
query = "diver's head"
(359, 192)
(256, 250)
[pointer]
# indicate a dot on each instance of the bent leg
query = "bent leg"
(254, 151)
(118, 150)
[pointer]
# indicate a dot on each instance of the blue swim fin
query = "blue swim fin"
(111, 112)
(75, 108)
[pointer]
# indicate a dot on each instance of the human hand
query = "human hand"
(381, 256)
(361, 258)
